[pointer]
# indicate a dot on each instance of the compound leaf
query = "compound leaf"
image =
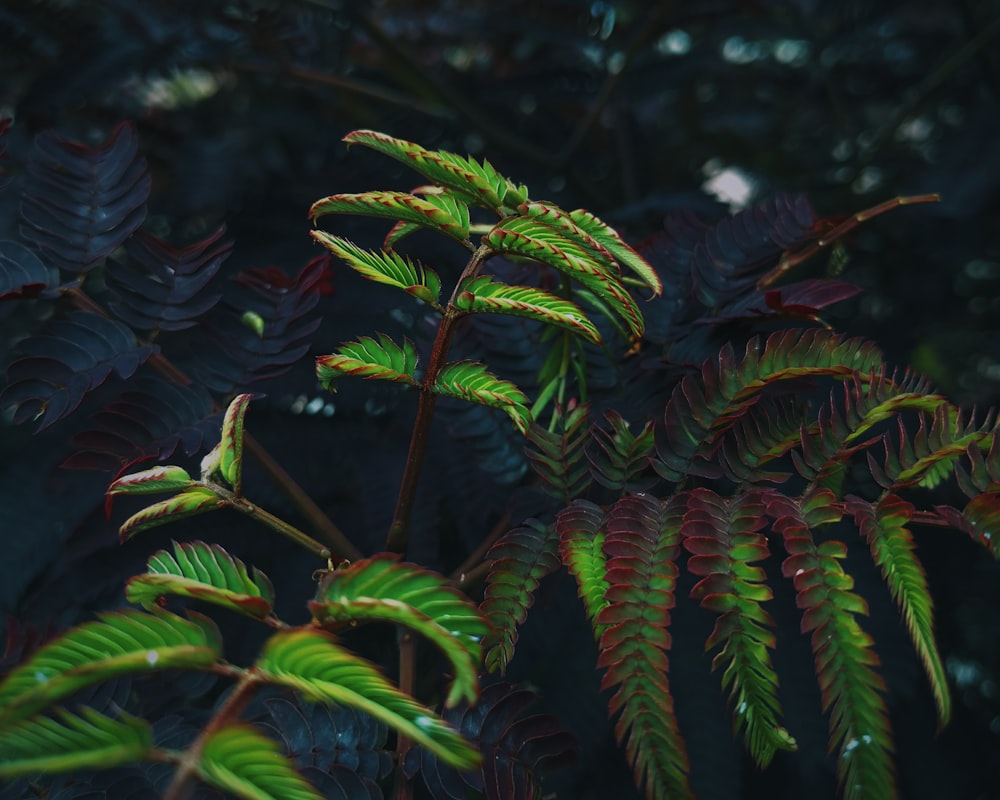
(450, 219)
(152, 481)
(608, 237)
(470, 380)
(382, 360)
(120, 643)
(385, 267)
(203, 572)
(240, 760)
(310, 662)
(196, 500)
(382, 588)
(66, 742)
(482, 294)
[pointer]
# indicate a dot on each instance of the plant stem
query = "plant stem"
(407, 684)
(187, 770)
(339, 543)
(275, 523)
(399, 530)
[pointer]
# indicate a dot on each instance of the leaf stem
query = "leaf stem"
(275, 523)
(187, 770)
(399, 530)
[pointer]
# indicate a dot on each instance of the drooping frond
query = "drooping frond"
(531, 238)
(65, 361)
(608, 237)
(382, 360)
(203, 572)
(557, 456)
(929, 455)
(724, 539)
(478, 183)
(518, 561)
(516, 748)
(641, 545)
(470, 380)
(842, 424)
(581, 547)
(851, 687)
(383, 588)
(310, 662)
(121, 643)
(483, 294)
(706, 404)
(81, 203)
(385, 267)
(451, 220)
(619, 458)
(162, 287)
(238, 759)
(883, 525)
(65, 742)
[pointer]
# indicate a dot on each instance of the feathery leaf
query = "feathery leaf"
(450, 219)
(373, 360)
(470, 380)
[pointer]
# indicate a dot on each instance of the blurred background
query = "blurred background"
(632, 109)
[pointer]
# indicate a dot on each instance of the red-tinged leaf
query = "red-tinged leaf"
(231, 443)
(193, 501)
(152, 481)
(398, 206)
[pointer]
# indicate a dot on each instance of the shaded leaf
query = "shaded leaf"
(23, 275)
(557, 455)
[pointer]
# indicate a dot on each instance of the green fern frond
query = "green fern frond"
(67, 742)
(705, 406)
(382, 360)
(518, 561)
(866, 400)
(608, 237)
(851, 688)
(470, 380)
(724, 539)
(238, 759)
(883, 525)
(581, 547)
(619, 458)
(557, 456)
(313, 664)
(203, 572)
(121, 643)
(930, 455)
(451, 219)
(383, 588)
(641, 543)
(477, 183)
(529, 238)
(385, 267)
(482, 294)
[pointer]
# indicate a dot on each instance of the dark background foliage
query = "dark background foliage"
(632, 109)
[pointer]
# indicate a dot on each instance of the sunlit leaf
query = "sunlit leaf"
(449, 219)
(196, 500)
(382, 360)
(471, 381)
(152, 481)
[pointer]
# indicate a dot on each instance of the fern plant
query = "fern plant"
(792, 450)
